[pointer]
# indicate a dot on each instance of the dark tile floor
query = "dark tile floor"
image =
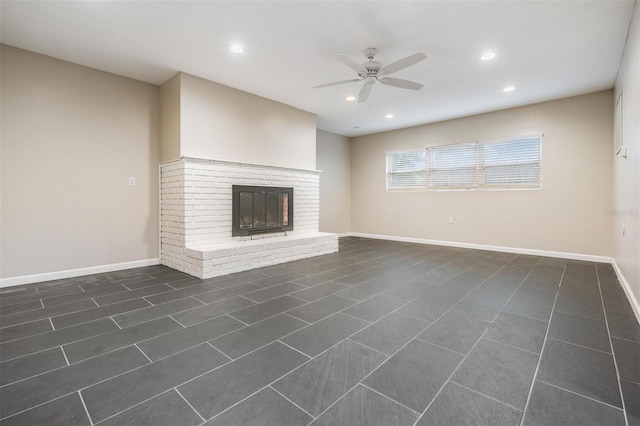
(381, 333)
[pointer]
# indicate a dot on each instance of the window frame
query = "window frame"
(481, 167)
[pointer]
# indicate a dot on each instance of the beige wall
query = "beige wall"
(333, 158)
(626, 192)
(222, 123)
(71, 137)
(170, 119)
(568, 215)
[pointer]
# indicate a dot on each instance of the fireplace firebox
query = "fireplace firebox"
(261, 210)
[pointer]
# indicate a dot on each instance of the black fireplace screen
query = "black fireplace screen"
(261, 209)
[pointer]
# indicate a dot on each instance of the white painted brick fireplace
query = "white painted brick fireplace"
(196, 213)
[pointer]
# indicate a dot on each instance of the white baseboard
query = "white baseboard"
(545, 253)
(627, 289)
(69, 273)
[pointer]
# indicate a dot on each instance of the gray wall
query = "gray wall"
(221, 123)
(333, 158)
(71, 137)
(626, 192)
(567, 215)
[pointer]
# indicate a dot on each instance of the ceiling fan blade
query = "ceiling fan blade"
(335, 83)
(398, 82)
(352, 64)
(364, 92)
(403, 63)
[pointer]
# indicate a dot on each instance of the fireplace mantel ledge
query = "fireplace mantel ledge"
(196, 160)
(230, 248)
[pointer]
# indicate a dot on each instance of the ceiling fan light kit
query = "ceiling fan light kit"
(372, 72)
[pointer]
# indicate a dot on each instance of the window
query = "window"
(618, 126)
(406, 169)
(509, 164)
(453, 166)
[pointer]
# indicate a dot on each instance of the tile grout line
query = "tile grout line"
(189, 404)
(581, 395)
(615, 361)
(153, 304)
(232, 317)
(66, 343)
(296, 318)
(144, 354)
(444, 347)
(450, 377)
(176, 321)
(294, 297)
(183, 326)
(355, 317)
(578, 315)
(297, 350)
(485, 395)
(193, 346)
(65, 358)
(581, 346)
(415, 318)
(225, 355)
(38, 405)
(390, 399)
(86, 410)
(75, 312)
(625, 340)
(511, 346)
(113, 350)
(114, 321)
(40, 319)
(368, 347)
(135, 405)
(285, 397)
(544, 344)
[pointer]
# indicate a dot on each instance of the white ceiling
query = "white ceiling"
(547, 49)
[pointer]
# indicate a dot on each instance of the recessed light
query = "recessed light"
(236, 48)
(509, 89)
(350, 98)
(388, 116)
(487, 56)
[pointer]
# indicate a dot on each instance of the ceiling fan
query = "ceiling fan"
(371, 71)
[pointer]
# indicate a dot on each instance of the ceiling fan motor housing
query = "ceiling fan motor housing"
(372, 68)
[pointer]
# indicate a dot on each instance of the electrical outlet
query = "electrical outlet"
(132, 181)
(450, 219)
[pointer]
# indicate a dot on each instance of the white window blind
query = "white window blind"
(453, 166)
(407, 169)
(509, 164)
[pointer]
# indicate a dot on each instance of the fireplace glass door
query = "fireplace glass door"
(261, 209)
